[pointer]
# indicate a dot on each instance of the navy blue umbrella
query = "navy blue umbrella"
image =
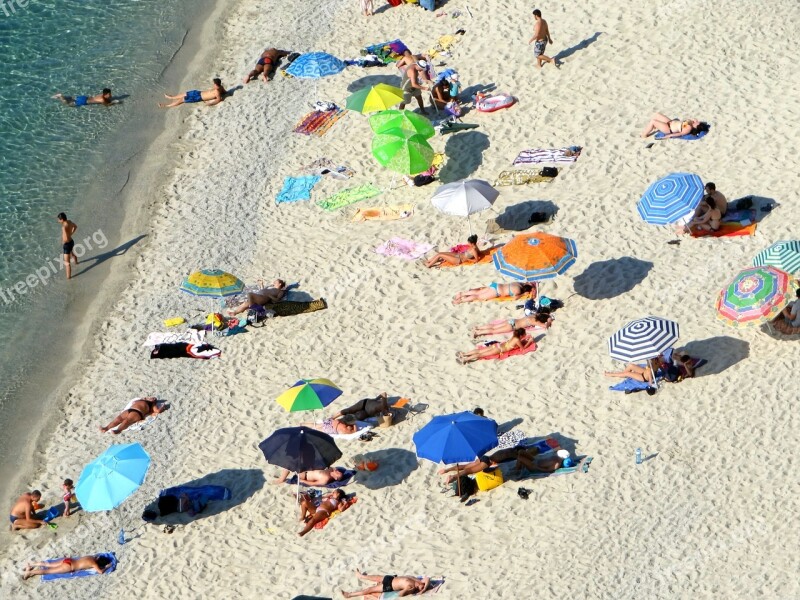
(671, 198)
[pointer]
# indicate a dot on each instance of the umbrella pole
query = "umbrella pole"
(298, 489)
(469, 221)
(458, 482)
(652, 373)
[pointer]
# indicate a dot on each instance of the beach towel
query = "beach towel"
(402, 248)
(443, 45)
(735, 223)
(384, 213)
(343, 506)
(198, 496)
(510, 439)
(521, 177)
(387, 52)
(688, 137)
(484, 260)
(505, 355)
(201, 351)
(325, 166)
(629, 385)
(287, 308)
(506, 336)
(434, 587)
(190, 336)
(362, 428)
(582, 467)
(86, 572)
(297, 188)
(347, 475)
(349, 196)
(318, 122)
(545, 156)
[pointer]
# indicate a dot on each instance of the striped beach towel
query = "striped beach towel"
(349, 196)
(317, 123)
(521, 177)
(545, 156)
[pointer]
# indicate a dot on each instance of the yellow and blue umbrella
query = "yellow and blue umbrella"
(375, 98)
(108, 480)
(671, 198)
(309, 394)
(213, 283)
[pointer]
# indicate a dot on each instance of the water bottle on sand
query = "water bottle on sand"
(638, 456)
(121, 537)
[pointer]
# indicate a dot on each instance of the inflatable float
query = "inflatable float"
(493, 103)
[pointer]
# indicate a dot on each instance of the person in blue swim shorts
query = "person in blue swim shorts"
(103, 98)
(210, 97)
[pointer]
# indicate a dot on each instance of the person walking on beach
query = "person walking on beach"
(68, 229)
(103, 98)
(21, 515)
(266, 64)
(541, 37)
(209, 97)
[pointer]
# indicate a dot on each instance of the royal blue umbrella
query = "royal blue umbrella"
(671, 198)
(315, 65)
(113, 476)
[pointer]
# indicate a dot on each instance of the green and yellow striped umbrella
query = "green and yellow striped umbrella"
(309, 394)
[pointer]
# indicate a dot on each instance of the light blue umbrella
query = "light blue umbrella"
(671, 198)
(315, 65)
(113, 476)
(784, 254)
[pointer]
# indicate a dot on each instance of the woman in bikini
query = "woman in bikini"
(473, 253)
(644, 374)
(137, 410)
(673, 127)
(710, 220)
(496, 290)
(538, 321)
(67, 565)
(518, 340)
(344, 425)
(311, 514)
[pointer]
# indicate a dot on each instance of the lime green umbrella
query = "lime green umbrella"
(375, 98)
(404, 120)
(402, 153)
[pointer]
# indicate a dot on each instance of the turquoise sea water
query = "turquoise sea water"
(53, 157)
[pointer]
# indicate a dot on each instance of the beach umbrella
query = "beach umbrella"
(300, 449)
(671, 198)
(643, 339)
(309, 394)
(755, 295)
(375, 98)
(402, 153)
(113, 476)
(456, 438)
(784, 255)
(465, 197)
(535, 256)
(315, 65)
(404, 120)
(213, 283)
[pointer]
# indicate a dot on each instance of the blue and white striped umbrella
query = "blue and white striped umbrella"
(315, 65)
(784, 255)
(671, 198)
(642, 339)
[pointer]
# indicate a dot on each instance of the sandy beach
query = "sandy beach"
(710, 514)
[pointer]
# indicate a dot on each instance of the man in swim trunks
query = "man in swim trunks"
(68, 229)
(137, 410)
(209, 97)
(67, 565)
(320, 477)
(405, 585)
(103, 98)
(21, 515)
(412, 85)
(541, 37)
(266, 64)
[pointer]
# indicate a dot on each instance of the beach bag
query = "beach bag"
(395, 2)
(488, 480)
(420, 180)
(427, 4)
(257, 315)
(548, 172)
(216, 320)
(453, 108)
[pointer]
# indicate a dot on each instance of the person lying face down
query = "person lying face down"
(525, 457)
(366, 408)
(97, 563)
(495, 290)
(137, 410)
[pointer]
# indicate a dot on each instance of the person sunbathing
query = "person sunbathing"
(344, 425)
(673, 127)
(637, 372)
(266, 64)
(137, 410)
(209, 97)
(709, 220)
(311, 514)
(518, 340)
(495, 290)
(457, 258)
(539, 320)
(385, 584)
(368, 407)
(322, 477)
(266, 295)
(67, 565)
(524, 457)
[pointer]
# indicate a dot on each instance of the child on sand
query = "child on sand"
(366, 8)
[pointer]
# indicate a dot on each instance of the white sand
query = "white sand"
(712, 516)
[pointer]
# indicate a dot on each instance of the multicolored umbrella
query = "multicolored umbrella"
(309, 394)
(404, 120)
(535, 256)
(643, 339)
(784, 255)
(754, 296)
(375, 98)
(315, 65)
(671, 198)
(213, 283)
(396, 150)
(113, 476)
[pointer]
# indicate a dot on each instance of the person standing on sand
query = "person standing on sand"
(210, 97)
(412, 85)
(541, 37)
(68, 229)
(366, 8)
(21, 515)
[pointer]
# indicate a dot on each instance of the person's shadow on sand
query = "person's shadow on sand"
(607, 279)
(567, 52)
(394, 466)
(101, 258)
(465, 155)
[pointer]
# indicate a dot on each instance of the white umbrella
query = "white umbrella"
(465, 197)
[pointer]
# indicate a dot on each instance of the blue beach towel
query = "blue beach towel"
(85, 573)
(687, 137)
(630, 385)
(347, 476)
(297, 188)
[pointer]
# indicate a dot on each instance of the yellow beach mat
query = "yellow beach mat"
(521, 177)
(443, 44)
(384, 213)
(485, 259)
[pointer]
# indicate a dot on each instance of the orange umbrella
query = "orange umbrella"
(535, 256)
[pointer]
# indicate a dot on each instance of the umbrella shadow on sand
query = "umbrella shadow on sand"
(372, 80)
(464, 155)
(516, 217)
(721, 352)
(567, 443)
(611, 278)
(394, 466)
(242, 483)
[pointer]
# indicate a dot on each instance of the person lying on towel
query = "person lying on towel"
(384, 584)
(338, 426)
(457, 258)
(639, 373)
(311, 514)
(524, 457)
(518, 340)
(540, 320)
(137, 410)
(366, 408)
(275, 292)
(67, 565)
(321, 477)
(495, 290)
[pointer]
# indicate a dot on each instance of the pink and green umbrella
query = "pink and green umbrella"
(754, 296)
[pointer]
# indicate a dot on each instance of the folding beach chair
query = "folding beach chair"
(406, 405)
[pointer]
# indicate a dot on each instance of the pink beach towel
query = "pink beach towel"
(402, 248)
